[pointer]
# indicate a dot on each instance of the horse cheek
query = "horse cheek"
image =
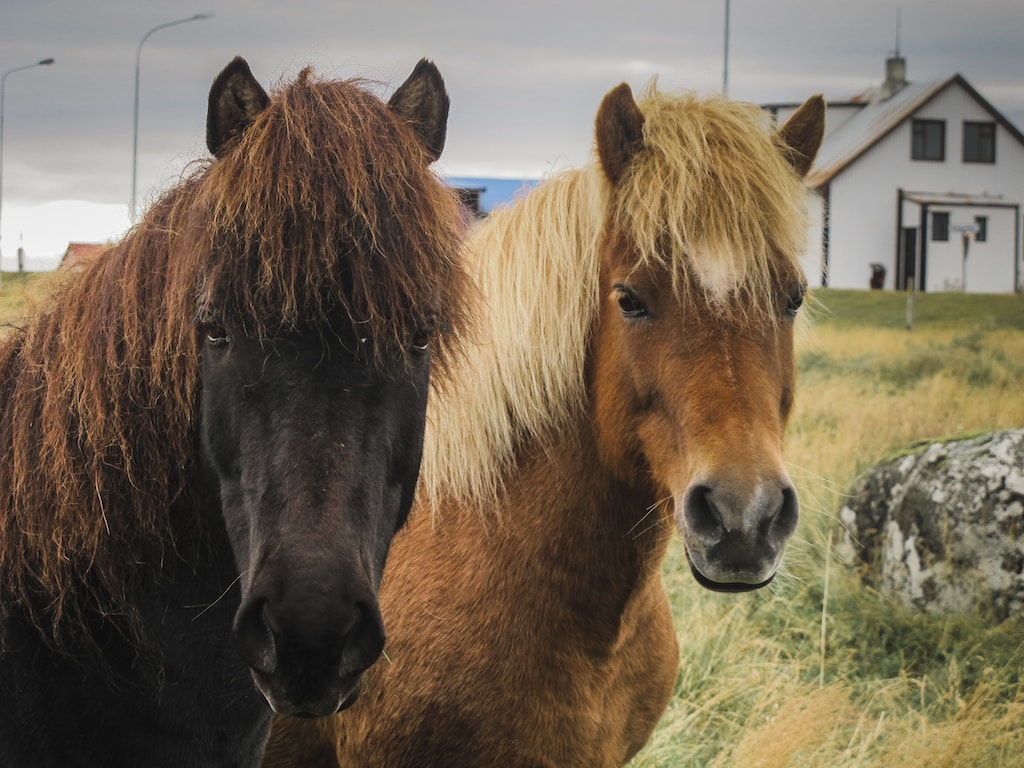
(787, 372)
(613, 404)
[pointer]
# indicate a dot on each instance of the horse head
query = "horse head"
(312, 432)
(700, 285)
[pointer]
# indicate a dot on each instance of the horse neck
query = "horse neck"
(599, 539)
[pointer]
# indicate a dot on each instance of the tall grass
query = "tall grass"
(818, 670)
(19, 290)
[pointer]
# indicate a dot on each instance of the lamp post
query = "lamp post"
(135, 126)
(3, 81)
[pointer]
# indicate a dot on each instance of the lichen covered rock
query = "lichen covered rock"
(940, 527)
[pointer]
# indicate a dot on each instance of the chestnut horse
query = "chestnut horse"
(637, 368)
(209, 436)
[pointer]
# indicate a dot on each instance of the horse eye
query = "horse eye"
(629, 304)
(420, 341)
(795, 301)
(217, 336)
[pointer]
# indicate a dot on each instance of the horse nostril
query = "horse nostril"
(364, 638)
(714, 511)
(702, 518)
(254, 637)
(783, 524)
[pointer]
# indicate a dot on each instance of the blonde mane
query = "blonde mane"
(710, 197)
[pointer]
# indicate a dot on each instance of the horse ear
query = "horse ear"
(235, 101)
(802, 133)
(619, 129)
(423, 101)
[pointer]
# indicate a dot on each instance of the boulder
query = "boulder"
(940, 526)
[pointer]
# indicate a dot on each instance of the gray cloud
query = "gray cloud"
(525, 77)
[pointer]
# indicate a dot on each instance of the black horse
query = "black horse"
(210, 434)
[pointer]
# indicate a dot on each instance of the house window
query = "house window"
(981, 231)
(979, 142)
(929, 140)
(940, 226)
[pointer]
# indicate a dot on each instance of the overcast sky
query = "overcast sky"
(525, 76)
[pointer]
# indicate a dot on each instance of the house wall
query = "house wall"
(863, 200)
(812, 260)
(988, 268)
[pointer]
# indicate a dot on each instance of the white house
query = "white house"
(922, 179)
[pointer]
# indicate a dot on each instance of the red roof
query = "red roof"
(77, 255)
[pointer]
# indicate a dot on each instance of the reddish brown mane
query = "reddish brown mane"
(294, 226)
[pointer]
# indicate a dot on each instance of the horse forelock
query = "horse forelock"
(311, 236)
(326, 210)
(712, 199)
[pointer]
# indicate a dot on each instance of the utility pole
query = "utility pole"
(725, 62)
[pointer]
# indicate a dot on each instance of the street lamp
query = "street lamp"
(135, 129)
(3, 80)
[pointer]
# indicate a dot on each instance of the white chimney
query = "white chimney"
(895, 76)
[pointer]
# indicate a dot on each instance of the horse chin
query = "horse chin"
(726, 586)
(324, 706)
(303, 715)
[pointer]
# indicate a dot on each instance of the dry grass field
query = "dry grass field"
(18, 290)
(817, 670)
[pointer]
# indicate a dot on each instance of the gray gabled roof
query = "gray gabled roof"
(878, 118)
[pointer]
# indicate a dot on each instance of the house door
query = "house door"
(907, 267)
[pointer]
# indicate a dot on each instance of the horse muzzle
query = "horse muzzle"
(307, 656)
(736, 534)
